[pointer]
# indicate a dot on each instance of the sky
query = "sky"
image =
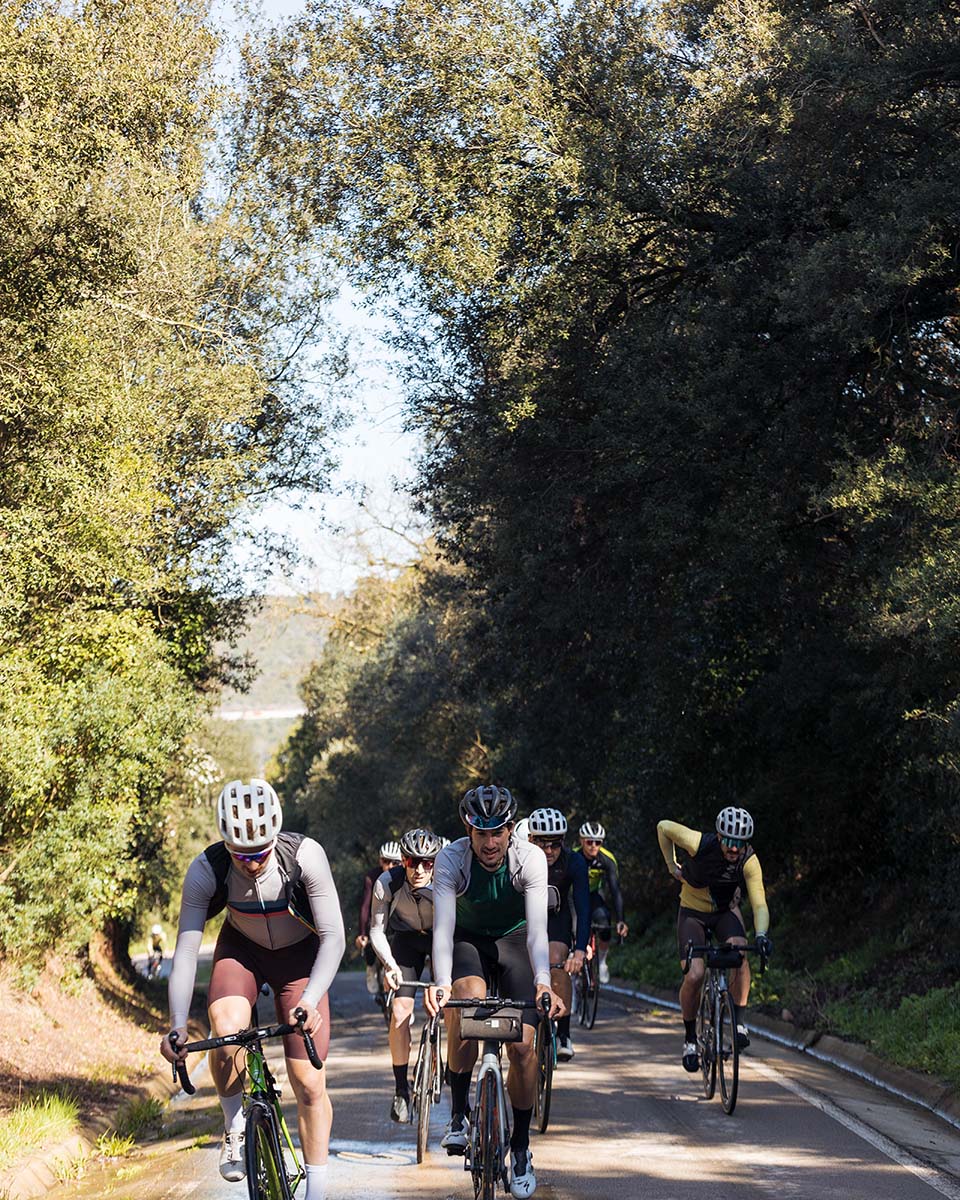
(337, 539)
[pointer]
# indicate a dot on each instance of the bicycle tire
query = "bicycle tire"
(706, 1040)
(593, 999)
(423, 1092)
(546, 1052)
(728, 1054)
(266, 1170)
(585, 985)
(486, 1160)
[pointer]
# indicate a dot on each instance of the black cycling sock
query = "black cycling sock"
(520, 1138)
(402, 1079)
(563, 1028)
(690, 1030)
(459, 1090)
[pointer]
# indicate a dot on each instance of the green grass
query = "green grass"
(139, 1118)
(921, 1033)
(42, 1118)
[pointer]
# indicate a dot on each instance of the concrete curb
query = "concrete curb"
(48, 1165)
(928, 1093)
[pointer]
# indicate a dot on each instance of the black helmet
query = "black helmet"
(488, 807)
(420, 843)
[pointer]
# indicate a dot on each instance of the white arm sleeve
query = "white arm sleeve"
(535, 904)
(379, 913)
(444, 919)
(199, 885)
(327, 917)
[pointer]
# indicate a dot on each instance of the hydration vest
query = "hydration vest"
(294, 889)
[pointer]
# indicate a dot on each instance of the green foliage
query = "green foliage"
(44, 1117)
(684, 357)
(149, 395)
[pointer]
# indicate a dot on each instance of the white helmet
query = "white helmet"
(156, 930)
(735, 823)
(248, 814)
(444, 842)
(593, 830)
(548, 822)
(391, 851)
(522, 829)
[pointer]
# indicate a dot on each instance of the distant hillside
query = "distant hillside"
(284, 638)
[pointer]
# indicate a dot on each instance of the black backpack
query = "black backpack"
(294, 889)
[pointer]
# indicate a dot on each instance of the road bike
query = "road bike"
(717, 1044)
(154, 964)
(586, 989)
(494, 1021)
(274, 1170)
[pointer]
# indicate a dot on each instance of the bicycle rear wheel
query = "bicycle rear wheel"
(546, 1056)
(728, 1055)
(266, 1170)
(706, 1040)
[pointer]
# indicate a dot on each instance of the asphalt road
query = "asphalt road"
(626, 1122)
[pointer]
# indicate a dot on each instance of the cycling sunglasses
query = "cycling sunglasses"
(257, 857)
(731, 843)
(486, 823)
(547, 843)
(413, 863)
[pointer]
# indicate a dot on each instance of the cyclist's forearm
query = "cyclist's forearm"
(538, 942)
(378, 934)
(753, 877)
(581, 904)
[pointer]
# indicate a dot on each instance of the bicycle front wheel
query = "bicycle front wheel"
(266, 1171)
(728, 1055)
(546, 1055)
(706, 1041)
(592, 997)
(583, 987)
(487, 1150)
(423, 1092)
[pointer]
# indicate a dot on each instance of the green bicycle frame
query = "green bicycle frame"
(263, 1088)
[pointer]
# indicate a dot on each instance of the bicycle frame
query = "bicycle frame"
(264, 1090)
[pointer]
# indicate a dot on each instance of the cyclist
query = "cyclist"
(566, 873)
(401, 930)
(719, 866)
(389, 857)
(604, 889)
(490, 917)
(283, 927)
(155, 946)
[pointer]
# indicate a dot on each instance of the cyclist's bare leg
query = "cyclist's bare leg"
(314, 1110)
(227, 1015)
(399, 1035)
(560, 981)
(690, 989)
(522, 1080)
(461, 1055)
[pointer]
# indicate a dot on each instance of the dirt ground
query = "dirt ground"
(97, 1036)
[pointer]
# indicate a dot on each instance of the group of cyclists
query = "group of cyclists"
(509, 905)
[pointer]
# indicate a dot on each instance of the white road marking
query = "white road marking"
(929, 1175)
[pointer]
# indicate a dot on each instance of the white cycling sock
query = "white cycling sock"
(232, 1112)
(316, 1182)
(603, 955)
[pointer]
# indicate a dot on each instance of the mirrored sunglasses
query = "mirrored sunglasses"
(257, 857)
(731, 843)
(486, 823)
(546, 843)
(413, 863)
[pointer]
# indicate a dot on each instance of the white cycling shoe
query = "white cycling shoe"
(604, 971)
(233, 1166)
(456, 1135)
(524, 1182)
(565, 1050)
